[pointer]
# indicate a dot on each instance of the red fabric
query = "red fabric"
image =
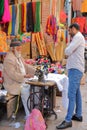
(81, 21)
(22, 13)
(63, 17)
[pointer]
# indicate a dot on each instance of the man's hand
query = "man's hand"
(28, 76)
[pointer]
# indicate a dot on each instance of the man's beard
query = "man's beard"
(17, 53)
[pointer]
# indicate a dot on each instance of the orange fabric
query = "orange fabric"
(81, 21)
(3, 44)
(40, 44)
(84, 6)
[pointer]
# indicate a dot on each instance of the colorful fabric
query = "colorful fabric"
(20, 19)
(34, 10)
(17, 19)
(1, 9)
(30, 24)
(3, 44)
(81, 21)
(6, 15)
(59, 47)
(84, 6)
(24, 17)
(10, 23)
(37, 18)
(63, 17)
(13, 19)
(51, 26)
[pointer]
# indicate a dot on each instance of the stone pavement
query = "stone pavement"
(61, 112)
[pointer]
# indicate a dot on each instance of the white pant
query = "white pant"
(25, 92)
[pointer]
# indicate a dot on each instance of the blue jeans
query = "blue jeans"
(74, 94)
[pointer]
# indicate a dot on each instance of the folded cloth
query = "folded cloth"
(62, 84)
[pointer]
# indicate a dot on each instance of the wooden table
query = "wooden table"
(44, 95)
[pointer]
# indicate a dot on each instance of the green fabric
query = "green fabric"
(37, 18)
(1, 8)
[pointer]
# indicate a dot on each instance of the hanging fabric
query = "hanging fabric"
(34, 48)
(34, 11)
(17, 20)
(10, 23)
(30, 24)
(51, 26)
(1, 9)
(59, 46)
(3, 44)
(23, 17)
(6, 15)
(37, 18)
(13, 19)
(84, 6)
(20, 19)
(63, 17)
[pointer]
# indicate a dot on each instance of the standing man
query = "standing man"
(75, 67)
(15, 72)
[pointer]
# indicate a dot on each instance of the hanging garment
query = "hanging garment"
(81, 21)
(10, 23)
(37, 18)
(34, 11)
(59, 46)
(77, 5)
(50, 50)
(51, 26)
(6, 15)
(1, 9)
(39, 44)
(34, 48)
(23, 17)
(13, 19)
(3, 44)
(84, 6)
(63, 17)
(30, 24)
(20, 19)
(17, 20)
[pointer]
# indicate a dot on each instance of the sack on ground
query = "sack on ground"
(35, 121)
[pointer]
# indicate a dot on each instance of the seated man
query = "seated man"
(15, 70)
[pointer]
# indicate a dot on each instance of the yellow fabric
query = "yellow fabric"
(10, 23)
(84, 6)
(51, 51)
(34, 47)
(3, 44)
(40, 44)
(59, 46)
